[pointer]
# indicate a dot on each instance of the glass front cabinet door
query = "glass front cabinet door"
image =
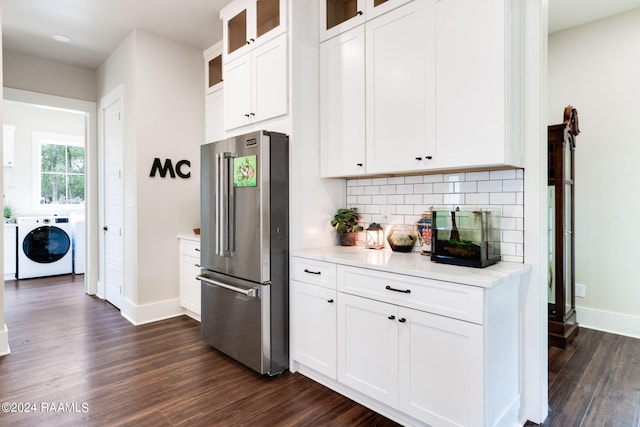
(247, 23)
(563, 325)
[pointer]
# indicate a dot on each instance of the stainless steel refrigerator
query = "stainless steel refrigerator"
(245, 249)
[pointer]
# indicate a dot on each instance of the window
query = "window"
(61, 166)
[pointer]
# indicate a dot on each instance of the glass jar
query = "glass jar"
(402, 238)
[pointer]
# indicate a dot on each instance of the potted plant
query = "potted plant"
(8, 213)
(346, 224)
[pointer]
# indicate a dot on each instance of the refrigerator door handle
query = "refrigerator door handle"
(253, 292)
(225, 205)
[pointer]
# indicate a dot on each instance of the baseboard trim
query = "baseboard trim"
(607, 321)
(152, 312)
(4, 341)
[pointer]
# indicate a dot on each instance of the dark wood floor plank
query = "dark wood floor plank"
(70, 347)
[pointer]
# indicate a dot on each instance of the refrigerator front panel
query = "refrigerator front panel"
(250, 191)
(213, 211)
(235, 222)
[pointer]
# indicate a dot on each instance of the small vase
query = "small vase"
(348, 239)
(402, 238)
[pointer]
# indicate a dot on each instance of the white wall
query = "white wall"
(163, 117)
(596, 68)
(19, 178)
(4, 333)
(50, 77)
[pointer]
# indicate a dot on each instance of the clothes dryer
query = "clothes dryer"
(44, 246)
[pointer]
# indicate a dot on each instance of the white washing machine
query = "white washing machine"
(44, 246)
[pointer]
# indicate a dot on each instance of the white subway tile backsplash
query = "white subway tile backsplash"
(404, 210)
(396, 199)
(445, 187)
(379, 181)
(489, 186)
(477, 176)
(355, 191)
(433, 199)
(364, 200)
(413, 199)
(380, 200)
(503, 174)
(401, 200)
(432, 178)
(502, 198)
(372, 189)
(513, 185)
(413, 179)
(465, 187)
(404, 188)
(453, 199)
(387, 189)
(422, 188)
(476, 199)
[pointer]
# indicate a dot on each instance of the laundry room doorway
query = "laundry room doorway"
(50, 186)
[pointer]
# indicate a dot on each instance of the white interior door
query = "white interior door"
(113, 201)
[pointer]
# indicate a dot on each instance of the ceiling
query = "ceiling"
(565, 14)
(97, 27)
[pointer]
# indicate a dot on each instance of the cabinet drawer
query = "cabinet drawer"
(190, 248)
(314, 272)
(434, 296)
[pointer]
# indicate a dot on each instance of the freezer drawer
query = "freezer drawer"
(236, 321)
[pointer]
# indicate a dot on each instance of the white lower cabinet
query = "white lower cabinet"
(189, 269)
(440, 366)
(418, 350)
(314, 329)
(368, 347)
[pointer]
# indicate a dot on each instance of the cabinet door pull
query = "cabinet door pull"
(402, 320)
(404, 291)
(197, 265)
(359, 12)
(312, 272)
(246, 115)
(197, 249)
(359, 164)
(252, 114)
(252, 40)
(330, 301)
(391, 317)
(418, 158)
(428, 157)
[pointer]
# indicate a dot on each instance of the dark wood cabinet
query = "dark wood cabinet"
(563, 325)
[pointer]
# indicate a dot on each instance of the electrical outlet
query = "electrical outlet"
(580, 290)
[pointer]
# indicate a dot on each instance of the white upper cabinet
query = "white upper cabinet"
(256, 85)
(247, 23)
(337, 16)
(442, 86)
(400, 79)
(342, 104)
(478, 83)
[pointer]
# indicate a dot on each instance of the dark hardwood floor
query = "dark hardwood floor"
(76, 361)
(70, 349)
(595, 382)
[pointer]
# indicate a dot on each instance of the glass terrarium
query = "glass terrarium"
(466, 237)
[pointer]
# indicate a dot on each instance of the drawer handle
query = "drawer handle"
(330, 301)
(391, 317)
(405, 291)
(197, 265)
(197, 250)
(312, 272)
(402, 320)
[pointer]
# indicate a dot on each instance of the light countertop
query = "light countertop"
(414, 264)
(194, 237)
